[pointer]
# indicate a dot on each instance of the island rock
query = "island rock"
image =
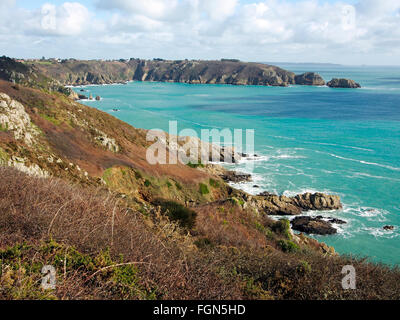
(343, 83)
(310, 79)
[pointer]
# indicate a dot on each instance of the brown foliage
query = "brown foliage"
(34, 210)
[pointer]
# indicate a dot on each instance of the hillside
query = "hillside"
(74, 72)
(77, 192)
(28, 75)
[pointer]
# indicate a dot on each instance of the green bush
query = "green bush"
(147, 183)
(288, 246)
(214, 183)
(282, 227)
(178, 186)
(177, 212)
(138, 175)
(195, 165)
(204, 189)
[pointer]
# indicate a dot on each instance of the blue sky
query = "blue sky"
(346, 31)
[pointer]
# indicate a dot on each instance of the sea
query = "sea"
(308, 139)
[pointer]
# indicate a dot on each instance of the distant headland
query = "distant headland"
(72, 72)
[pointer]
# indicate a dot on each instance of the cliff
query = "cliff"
(30, 76)
(74, 72)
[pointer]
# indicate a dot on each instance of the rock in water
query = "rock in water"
(343, 83)
(318, 201)
(312, 226)
(234, 176)
(98, 98)
(310, 79)
(388, 228)
(273, 204)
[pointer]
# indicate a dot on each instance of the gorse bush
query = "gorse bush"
(103, 250)
(195, 165)
(288, 246)
(204, 189)
(98, 231)
(282, 227)
(214, 183)
(177, 212)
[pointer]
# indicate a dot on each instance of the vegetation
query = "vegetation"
(115, 227)
(178, 212)
(204, 189)
(195, 165)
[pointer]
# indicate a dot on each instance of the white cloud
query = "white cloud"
(263, 30)
(68, 19)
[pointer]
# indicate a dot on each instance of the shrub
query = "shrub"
(204, 189)
(282, 227)
(195, 165)
(203, 243)
(178, 186)
(214, 183)
(147, 183)
(138, 175)
(178, 212)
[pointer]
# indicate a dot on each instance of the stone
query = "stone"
(337, 221)
(273, 204)
(388, 228)
(343, 83)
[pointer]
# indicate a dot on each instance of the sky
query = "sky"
(352, 32)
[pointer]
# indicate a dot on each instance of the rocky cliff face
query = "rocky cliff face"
(286, 206)
(72, 72)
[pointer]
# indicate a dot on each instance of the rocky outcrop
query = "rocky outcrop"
(15, 119)
(343, 83)
(205, 151)
(281, 205)
(236, 177)
(310, 79)
(318, 201)
(388, 228)
(313, 226)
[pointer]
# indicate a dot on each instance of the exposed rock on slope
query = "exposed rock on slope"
(309, 79)
(13, 118)
(88, 146)
(343, 83)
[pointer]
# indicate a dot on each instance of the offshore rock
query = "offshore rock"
(313, 226)
(310, 79)
(272, 204)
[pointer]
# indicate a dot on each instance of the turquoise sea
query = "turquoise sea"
(340, 141)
